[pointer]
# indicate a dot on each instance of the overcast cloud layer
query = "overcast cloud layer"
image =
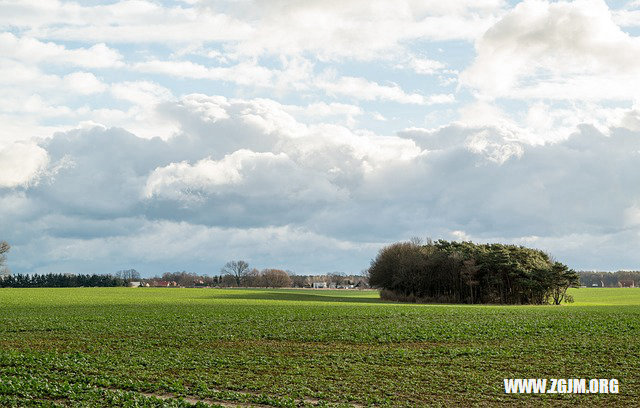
(306, 135)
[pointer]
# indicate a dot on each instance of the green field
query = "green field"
(179, 347)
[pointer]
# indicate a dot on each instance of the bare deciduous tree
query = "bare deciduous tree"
(252, 278)
(4, 248)
(237, 269)
(128, 274)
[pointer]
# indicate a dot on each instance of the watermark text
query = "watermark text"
(560, 386)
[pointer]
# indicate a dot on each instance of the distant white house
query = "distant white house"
(134, 284)
(319, 285)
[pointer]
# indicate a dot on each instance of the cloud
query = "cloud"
(556, 50)
(98, 172)
(331, 29)
(362, 89)
(245, 73)
(439, 99)
(142, 93)
(244, 188)
(631, 119)
(27, 80)
(84, 83)
(15, 128)
(153, 247)
(358, 29)
(142, 117)
(216, 126)
(256, 150)
(113, 149)
(122, 21)
(241, 164)
(292, 77)
(21, 164)
(501, 187)
(322, 112)
(35, 104)
(244, 168)
(260, 176)
(628, 15)
(422, 66)
(31, 50)
(17, 74)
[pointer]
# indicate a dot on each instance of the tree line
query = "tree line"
(609, 279)
(267, 278)
(59, 280)
(56, 280)
(464, 272)
(239, 274)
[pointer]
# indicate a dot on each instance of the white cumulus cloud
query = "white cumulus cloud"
(556, 50)
(32, 50)
(21, 164)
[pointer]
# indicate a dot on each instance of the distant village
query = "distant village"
(247, 278)
(328, 281)
(275, 278)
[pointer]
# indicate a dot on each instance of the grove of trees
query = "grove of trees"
(275, 278)
(464, 272)
(237, 273)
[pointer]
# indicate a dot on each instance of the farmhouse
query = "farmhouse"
(164, 284)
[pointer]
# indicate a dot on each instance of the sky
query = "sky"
(308, 134)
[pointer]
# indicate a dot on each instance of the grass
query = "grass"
(180, 347)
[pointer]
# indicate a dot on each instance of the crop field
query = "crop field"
(287, 348)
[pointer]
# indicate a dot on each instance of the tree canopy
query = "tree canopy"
(464, 272)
